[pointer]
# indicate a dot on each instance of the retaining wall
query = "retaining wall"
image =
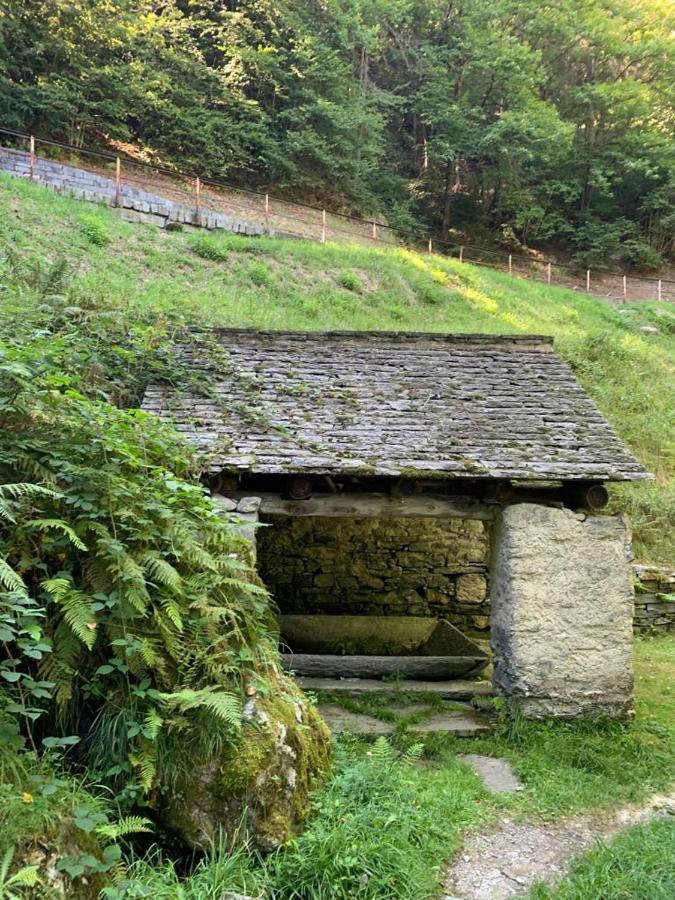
(134, 204)
(654, 611)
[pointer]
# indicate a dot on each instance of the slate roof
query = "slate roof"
(391, 404)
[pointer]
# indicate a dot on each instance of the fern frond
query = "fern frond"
(382, 751)
(173, 612)
(76, 609)
(153, 724)
(146, 764)
(128, 825)
(22, 489)
(11, 580)
(160, 570)
(222, 704)
(61, 526)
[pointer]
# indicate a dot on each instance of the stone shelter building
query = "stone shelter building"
(452, 478)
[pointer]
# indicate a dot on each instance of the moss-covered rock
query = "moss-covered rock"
(259, 787)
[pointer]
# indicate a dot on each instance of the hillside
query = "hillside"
(92, 261)
(483, 120)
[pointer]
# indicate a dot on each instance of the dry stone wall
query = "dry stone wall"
(413, 566)
(654, 598)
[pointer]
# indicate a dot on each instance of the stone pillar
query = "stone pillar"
(562, 606)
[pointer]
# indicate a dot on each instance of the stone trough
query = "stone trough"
(377, 646)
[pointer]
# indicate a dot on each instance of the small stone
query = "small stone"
(225, 502)
(496, 774)
(249, 504)
(471, 588)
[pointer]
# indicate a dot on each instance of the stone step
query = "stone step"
(458, 722)
(354, 687)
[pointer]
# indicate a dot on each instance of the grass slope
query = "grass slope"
(275, 284)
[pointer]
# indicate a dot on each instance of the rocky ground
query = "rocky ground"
(506, 862)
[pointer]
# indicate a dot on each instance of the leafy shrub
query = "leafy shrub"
(259, 274)
(208, 247)
(150, 623)
(94, 229)
(350, 281)
(641, 255)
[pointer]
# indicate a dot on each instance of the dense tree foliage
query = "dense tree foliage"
(537, 122)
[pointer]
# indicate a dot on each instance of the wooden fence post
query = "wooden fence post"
(198, 200)
(510, 264)
(118, 180)
(588, 281)
(32, 158)
(431, 246)
(658, 290)
(625, 289)
(548, 273)
(323, 226)
(461, 254)
(267, 213)
(374, 231)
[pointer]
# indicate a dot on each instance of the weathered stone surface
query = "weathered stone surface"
(248, 505)
(464, 723)
(448, 690)
(562, 601)
(267, 776)
(390, 404)
(496, 774)
(414, 565)
(339, 719)
(419, 667)
(461, 723)
(471, 588)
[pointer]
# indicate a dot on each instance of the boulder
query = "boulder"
(260, 787)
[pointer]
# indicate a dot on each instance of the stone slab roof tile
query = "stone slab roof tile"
(389, 403)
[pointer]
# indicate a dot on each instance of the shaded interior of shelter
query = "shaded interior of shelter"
(400, 591)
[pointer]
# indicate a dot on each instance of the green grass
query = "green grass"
(637, 865)
(223, 279)
(384, 829)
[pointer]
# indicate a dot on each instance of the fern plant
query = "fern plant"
(112, 548)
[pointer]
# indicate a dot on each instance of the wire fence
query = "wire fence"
(271, 214)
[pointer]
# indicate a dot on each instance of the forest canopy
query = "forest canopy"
(538, 123)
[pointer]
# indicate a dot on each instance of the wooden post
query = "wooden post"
(658, 290)
(461, 254)
(510, 264)
(118, 180)
(267, 213)
(323, 226)
(32, 158)
(431, 246)
(374, 231)
(625, 292)
(588, 281)
(548, 273)
(198, 200)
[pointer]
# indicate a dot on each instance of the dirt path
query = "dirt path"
(506, 862)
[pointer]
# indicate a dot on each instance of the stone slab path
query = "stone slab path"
(497, 774)
(354, 687)
(460, 722)
(506, 862)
